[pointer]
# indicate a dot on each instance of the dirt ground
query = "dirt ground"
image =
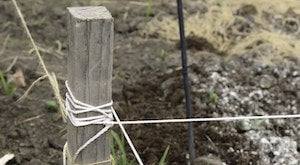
(243, 60)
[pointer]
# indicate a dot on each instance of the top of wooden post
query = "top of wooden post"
(90, 13)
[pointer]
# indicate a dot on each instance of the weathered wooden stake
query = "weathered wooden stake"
(90, 58)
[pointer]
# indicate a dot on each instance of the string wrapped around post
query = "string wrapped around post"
(75, 107)
(106, 115)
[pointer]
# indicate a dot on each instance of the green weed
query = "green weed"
(51, 105)
(211, 97)
(36, 22)
(118, 151)
(164, 157)
(9, 89)
(162, 55)
(148, 10)
(123, 75)
(120, 157)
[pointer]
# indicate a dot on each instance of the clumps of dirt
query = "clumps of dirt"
(242, 87)
(247, 10)
(28, 130)
(230, 27)
(199, 44)
(146, 66)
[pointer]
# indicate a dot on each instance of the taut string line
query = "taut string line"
(108, 117)
(105, 116)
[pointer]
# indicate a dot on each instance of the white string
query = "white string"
(137, 156)
(209, 119)
(106, 114)
(104, 117)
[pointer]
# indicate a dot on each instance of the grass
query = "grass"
(119, 153)
(211, 97)
(9, 89)
(164, 157)
(51, 105)
(162, 54)
(148, 10)
(119, 156)
(51, 76)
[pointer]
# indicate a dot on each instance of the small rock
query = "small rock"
(232, 64)
(243, 126)
(134, 24)
(296, 82)
(166, 86)
(230, 150)
(295, 73)
(176, 96)
(213, 64)
(56, 143)
(194, 78)
(26, 153)
(266, 82)
(122, 27)
(247, 10)
(21, 133)
(256, 95)
(13, 134)
(18, 159)
(280, 72)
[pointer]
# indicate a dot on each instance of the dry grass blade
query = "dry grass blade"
(212, 143)
(30, 119)
(29, 89)
(51, 77)
(48, 51)
(11, 65)
(61, 103)
(4, 44)
(59, 47)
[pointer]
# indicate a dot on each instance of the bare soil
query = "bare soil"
(147, 84)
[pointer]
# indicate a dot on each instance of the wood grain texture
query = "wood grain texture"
(90, 35)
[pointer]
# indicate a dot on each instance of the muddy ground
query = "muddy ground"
(257, 79)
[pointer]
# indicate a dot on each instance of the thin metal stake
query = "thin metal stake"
(186, 83)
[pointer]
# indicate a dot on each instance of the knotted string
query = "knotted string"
(105, 116)
(75, 107)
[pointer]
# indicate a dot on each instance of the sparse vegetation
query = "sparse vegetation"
(148, 10)
(8, 88)
(211, 97)
(51, 105)
(254, 38)
(246, 125)
(163, 160)
(119, 153)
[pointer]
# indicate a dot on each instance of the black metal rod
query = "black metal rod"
(186, 83)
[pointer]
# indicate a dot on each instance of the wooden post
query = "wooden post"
(90, 58)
